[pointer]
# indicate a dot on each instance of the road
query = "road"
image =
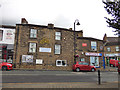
(32, 77)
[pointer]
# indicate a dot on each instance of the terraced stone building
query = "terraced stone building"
(50, 48)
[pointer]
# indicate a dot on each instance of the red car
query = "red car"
(83, 66)
(5, 66)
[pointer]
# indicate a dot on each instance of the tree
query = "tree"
(113, 8)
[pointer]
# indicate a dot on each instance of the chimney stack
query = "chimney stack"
(24, 21)
(50, 26)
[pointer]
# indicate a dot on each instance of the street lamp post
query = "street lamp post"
(77, 23)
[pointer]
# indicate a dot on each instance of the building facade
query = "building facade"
(7, 43)
(90, 50)
(111, 48)
(44, 47)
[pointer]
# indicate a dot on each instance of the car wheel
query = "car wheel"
(4, 68)
(77, 69)
(92, 69)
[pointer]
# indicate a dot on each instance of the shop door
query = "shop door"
(94, 61)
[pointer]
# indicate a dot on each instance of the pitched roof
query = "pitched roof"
(112, 43)
(113, 39)
(89, 38)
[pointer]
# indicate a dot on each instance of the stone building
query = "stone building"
(111, 48)
(44, 47)
(52, 48)
(90, 50)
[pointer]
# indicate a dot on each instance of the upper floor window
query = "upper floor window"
(57, 49)
(117, 48)
(93, 45)
(108, 49)
(57, 35)
(33, 33)
(32, 47)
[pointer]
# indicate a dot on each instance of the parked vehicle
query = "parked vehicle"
(5, 66)
(119, 67)
(83, 66)
(113, 63)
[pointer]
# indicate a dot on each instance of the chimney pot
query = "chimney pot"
(24, 21)
(50, 26)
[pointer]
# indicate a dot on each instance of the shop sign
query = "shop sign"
(84, 44)
(112, 55)
(41, 49)
(39, 61)
(27, 58)
(93, 54)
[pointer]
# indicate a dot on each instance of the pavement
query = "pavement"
(107, 68)
(61, 85)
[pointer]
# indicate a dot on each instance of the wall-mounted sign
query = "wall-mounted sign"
(84, 44)
(7, 36)
(93, 54)
(39, 61)
(27, 58)
(41, 49)
(112, 55)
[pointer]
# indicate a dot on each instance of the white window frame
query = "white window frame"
(61, 62)
(117, 48)
(32, 47)
(94, 45)
(57, 49)
(33, 33)
(57, 35)
(108, 49)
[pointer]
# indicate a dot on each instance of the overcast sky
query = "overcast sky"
(62, 13)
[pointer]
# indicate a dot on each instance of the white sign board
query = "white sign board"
(27, 58)
(39, 61)
(41, 49)
(8, 36)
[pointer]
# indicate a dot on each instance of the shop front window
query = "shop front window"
(94, 61)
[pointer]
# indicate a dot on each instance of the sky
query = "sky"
(62, 13)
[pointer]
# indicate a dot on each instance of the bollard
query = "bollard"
(99, 82)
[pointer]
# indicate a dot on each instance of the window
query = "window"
(108, 49)
(33, 33)
(117, 48)
(32, 47)
(57, 35)
(85, 64)
(61, 63)
(57, 49)
(82, 59)
(93, 46)
(94, 61)
(1, 35)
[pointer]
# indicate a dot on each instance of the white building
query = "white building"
(7, 36)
